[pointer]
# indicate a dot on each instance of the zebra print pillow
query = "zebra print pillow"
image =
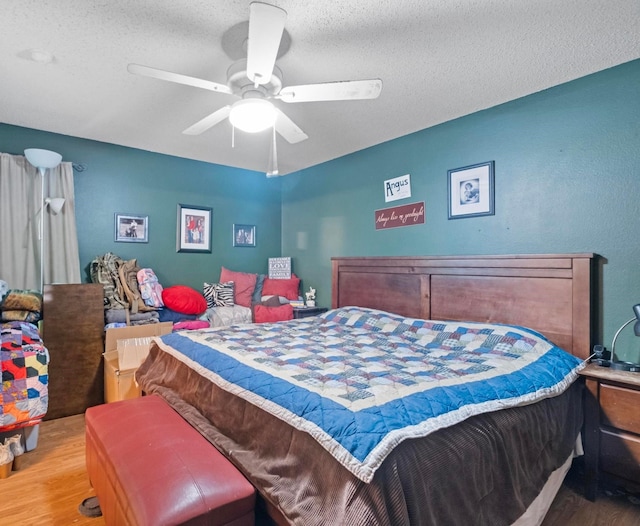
(219, 294)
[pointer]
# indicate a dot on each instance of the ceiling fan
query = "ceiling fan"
(256, 79)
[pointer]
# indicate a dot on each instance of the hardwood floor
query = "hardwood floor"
(613, 507)
(52, 482)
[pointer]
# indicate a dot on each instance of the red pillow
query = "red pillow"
(184, 300)
(287, 288)
(264, 314)
(243, 285)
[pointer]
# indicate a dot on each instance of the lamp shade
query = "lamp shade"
(636, 327)
(42, 158)
(55, 204)
(252, 115)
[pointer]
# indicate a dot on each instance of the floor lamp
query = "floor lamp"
(44, 160)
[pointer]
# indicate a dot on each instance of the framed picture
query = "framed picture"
(244, 235)
(471, 191)
(132, 228)
(194, 229)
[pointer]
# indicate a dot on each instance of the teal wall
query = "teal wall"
(567, 179)
(130, 181)
(567, 166)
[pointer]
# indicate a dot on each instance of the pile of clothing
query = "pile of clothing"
(124, 302)
(134, 295)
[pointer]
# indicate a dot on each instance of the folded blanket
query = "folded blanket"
(190, 325)
(167, 314)
(22, 300)
(120, 316)
(21, 305)
(20, 315)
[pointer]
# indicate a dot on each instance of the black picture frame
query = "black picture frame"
(131, 228)
(471, 190)
(194, 229)
(244, 235)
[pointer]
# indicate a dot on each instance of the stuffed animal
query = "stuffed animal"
(311, 297)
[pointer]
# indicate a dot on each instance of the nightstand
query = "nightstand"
(612, 425)
(306, 312)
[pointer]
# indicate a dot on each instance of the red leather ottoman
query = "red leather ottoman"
(148, 466)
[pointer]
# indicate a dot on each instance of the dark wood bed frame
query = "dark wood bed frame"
(549, 293)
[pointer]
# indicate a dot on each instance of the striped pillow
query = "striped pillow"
(219, 294)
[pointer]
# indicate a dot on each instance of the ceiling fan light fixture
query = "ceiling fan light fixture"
(252, 115)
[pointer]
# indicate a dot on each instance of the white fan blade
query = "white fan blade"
(289, 129)
(208, 122)
(147, 71)
(345, 90)
(266, 25)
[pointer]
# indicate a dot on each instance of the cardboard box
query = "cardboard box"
(119, 381)
(118, 385)
(132, 352)
(135, 331)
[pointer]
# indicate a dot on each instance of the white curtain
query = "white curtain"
(21, 203)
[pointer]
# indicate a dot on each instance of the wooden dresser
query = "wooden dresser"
(72, 331)
(612, 425)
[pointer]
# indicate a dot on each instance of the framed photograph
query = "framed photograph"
(471, 191)
(244, 235)
(194, 229)
(132, 228)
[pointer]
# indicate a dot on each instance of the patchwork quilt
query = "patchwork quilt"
(24, 364)
(361, 381)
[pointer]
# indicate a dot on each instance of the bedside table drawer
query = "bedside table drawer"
(620, 408)
(620, 454)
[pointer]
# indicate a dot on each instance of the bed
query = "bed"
(457, 466)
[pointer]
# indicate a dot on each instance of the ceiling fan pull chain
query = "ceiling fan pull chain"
(272, 169)
(233, 136)
(275, 153)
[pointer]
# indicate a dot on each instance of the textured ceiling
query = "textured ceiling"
(438, 60)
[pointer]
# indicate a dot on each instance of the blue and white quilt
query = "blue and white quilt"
(361, 381)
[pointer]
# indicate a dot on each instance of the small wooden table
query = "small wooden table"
(306, 312)
(612, 425)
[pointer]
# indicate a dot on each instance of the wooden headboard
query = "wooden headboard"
(549, 293)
